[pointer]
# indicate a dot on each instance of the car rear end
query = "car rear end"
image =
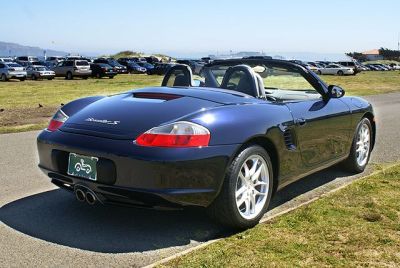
(44, 73)
(112, 151)
(15, 71)
(81, 68)
(108, 70)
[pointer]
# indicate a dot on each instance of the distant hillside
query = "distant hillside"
(12, 49)
(128, 53)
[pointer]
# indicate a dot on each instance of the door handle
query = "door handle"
(300, 121)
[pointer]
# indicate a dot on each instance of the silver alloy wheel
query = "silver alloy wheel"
(252, 186)
(363, 144)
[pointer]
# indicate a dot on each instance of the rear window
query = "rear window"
(82, 63)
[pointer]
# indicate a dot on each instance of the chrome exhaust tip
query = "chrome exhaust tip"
(90, 198)
(80, 195)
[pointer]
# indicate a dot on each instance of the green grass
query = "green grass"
(367, 83)
(30, 93)
(356, 226)
(20, 100)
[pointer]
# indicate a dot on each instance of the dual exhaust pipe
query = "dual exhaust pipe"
(83, 194)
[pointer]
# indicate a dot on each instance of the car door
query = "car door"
(322, 129)
(321, 126)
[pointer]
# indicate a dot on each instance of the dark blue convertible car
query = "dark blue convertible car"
(226, 140)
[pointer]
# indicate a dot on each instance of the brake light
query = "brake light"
(179, 134)
(57, 121)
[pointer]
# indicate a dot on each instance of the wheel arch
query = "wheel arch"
(270, 148)
(371, 119)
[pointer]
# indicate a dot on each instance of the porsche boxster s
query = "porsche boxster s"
(226, 140)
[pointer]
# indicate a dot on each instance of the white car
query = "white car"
(336, 69)
(36, 72)
(395, 66)
(6, 60)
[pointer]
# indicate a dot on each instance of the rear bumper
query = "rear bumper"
(136, 175)
(16, 75)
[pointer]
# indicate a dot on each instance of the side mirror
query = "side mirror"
(335, 92)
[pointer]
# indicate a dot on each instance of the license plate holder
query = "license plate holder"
(82, 166)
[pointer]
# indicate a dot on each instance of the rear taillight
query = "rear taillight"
(57, 121)
(179, 134)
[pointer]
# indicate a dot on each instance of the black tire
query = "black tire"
(85, 77)
(340, 73)
(50, 78)
(319, 72)
(22, 79)
(98, 75)
(111, 77)
(34, 77)
(4, 78)
(224, 209)
(351, 164)
(69, 76)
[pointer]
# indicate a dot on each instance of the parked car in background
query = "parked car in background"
(372, 67)
(36, 72)
(6, 60)
(336, 69)
(381, 67)
(25, 60)
(195, 65)
(160, 68)
(119, 68)
(11, 70)
(132, 66)
(146, 65)
(137, 59)
(152, 59)
(351, 64)
(73, 68)
(78, 58)
(395, 66)
(101, 70)
(54, 60)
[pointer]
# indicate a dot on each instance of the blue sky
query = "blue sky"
(208, 26)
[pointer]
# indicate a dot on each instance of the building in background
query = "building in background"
(372, 55)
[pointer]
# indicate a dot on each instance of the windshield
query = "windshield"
(281, 81)
(41, 69)
(13, 65)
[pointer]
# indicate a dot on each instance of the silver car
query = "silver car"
(73, 68)
(36, 72)
(11, 71)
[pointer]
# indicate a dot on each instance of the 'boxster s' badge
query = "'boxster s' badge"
(102, 121)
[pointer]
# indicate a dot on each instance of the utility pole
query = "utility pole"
(398, 42)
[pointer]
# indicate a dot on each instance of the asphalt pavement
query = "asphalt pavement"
(41, 225)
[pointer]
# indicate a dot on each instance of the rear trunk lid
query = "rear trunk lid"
(130, 114)
(126, 116)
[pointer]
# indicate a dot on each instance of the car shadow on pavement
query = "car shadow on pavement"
(55, 216)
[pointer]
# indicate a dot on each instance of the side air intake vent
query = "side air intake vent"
(288, 137)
